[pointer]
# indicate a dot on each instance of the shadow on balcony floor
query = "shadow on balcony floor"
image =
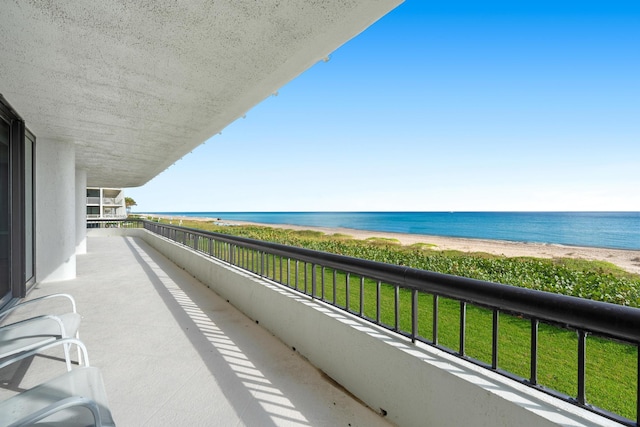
(172, 352)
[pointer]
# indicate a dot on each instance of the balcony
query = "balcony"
(174, 352)
(112, 201)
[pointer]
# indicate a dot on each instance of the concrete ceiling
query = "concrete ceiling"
(135, 85)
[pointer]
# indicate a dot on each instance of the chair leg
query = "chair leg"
(79, 350)
(67, 356)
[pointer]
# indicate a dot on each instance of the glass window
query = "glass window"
(28, 208)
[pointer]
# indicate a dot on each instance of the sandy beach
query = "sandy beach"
(626, 259)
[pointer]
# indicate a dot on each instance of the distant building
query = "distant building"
(105, 203)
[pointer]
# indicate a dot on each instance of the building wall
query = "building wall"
(109, 203)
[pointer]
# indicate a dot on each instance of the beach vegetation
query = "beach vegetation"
(307, 233)
(341, 236)
(597, 280)
(383, 240)
(423, 246)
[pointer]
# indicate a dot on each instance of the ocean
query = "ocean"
(619, 230)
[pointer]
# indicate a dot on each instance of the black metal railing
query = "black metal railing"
(420, 298)
(114, 223)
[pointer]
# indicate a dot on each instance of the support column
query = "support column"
(55, 211)
(81, 211)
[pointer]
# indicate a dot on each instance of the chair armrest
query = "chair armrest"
(6, 311)
(25, 322)
(50, 344)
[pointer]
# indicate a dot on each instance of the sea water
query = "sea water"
(598, 229)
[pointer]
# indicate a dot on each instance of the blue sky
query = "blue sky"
(439, 106)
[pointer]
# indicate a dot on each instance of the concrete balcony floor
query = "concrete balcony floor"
(172, 352)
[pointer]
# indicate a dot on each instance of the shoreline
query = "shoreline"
(627, 259)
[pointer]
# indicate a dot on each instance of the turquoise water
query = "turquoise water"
(598, 229)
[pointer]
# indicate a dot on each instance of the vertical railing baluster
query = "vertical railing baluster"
(378, 302)
(296, 276)
(494, 342)
(582, 347)
(638, 385)
(281, 281)
(534, 352)
(435, 319)
(313, 281)
(361, 311)
(322, 270)
(288, 271)
(261, 263)
(414, 315)
(463, 326)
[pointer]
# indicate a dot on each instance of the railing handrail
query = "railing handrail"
(602, 318)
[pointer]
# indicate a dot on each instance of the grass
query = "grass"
(383, 240)
(611, 371)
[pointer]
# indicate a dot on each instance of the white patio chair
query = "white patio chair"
(29, 333)
(21, 337)
(76, 398)
(28, 303)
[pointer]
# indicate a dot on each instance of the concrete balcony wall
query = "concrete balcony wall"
(414, 384)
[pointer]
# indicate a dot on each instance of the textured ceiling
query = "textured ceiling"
(135, 85)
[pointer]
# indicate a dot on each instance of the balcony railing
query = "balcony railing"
(117, 222)
(343, 282)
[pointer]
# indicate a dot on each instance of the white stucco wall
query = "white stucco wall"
(55, 211)
(416, 385)
(81, 211)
